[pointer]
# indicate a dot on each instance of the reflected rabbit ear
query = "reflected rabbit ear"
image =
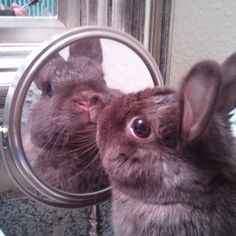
(90, 48)
(227, 100)
(199, 91)
(43, 75)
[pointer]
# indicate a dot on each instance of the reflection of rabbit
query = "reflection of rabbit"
(62, 124)
(170, 158)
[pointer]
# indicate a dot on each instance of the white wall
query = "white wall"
(202, 29)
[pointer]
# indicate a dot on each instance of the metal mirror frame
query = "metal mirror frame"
(11, 143)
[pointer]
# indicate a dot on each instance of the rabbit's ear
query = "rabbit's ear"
(43, 75)
(199, 91)
(227, 100)
(90, 48)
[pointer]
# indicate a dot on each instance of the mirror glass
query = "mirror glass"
(62, 106)
(29, 8)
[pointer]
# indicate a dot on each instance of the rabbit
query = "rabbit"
(62, 123)
(228, 68)
(170, 157)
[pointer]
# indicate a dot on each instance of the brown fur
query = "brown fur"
(181, 178)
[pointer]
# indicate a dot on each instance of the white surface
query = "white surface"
(123, 69)
(201, 30)
(6, 78)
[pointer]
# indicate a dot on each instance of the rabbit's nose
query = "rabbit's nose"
(84, 105)
(87, 105)
(86, 102)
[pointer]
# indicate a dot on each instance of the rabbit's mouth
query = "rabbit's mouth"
(92, 124)
(89, 117)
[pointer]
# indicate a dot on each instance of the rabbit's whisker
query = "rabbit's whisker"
(92, 130)
(78, 160)
(76, 150)
(93, 147)
(79, 140)
(86, 167)
(59, 137)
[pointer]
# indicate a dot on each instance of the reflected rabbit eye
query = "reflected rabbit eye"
(141, 128)
(48, 89)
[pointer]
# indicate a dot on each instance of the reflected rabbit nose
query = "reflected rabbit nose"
(87, 105)
(84, 105)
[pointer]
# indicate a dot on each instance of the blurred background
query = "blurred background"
(42, 8)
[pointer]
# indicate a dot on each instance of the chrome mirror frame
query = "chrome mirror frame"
(12, 147)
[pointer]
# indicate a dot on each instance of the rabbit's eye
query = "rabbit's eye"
(48, 89)
(141, 128)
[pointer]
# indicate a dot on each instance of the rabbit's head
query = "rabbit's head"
(162, 145)
(73, 94)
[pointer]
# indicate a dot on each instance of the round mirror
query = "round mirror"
(52, 109)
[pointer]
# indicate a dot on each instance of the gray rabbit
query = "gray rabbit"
(170, 156)
(62, 123)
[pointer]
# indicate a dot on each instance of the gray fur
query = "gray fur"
(62, 148)
(181, 179)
